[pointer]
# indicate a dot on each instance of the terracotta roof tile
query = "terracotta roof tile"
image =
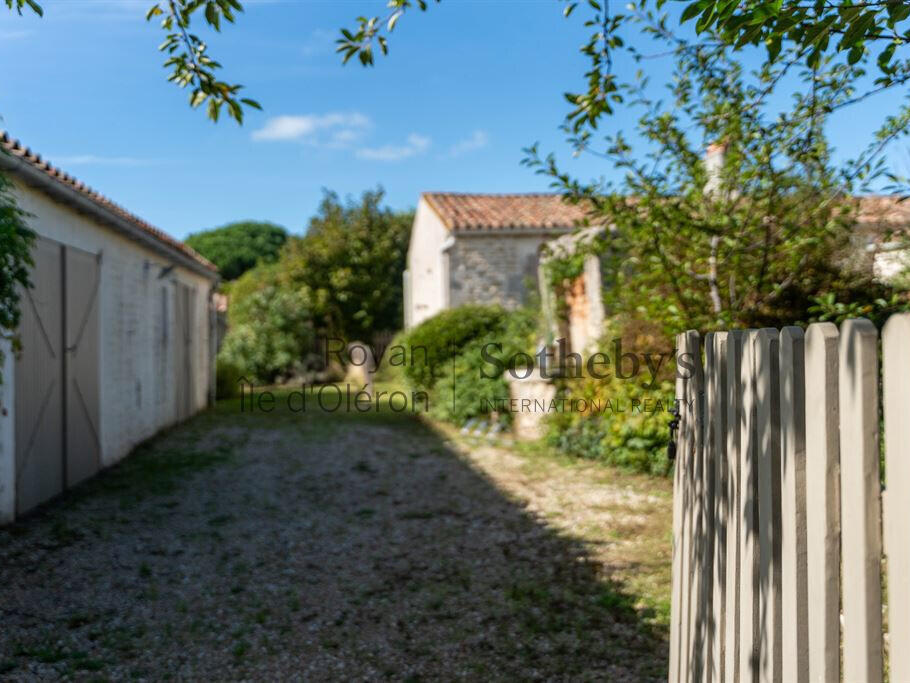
(465, 211)
(504, 211)
(884, 210)
(16, 149)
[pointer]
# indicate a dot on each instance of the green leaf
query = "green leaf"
(855, 54)
(858, 30)
(691, 11)
(897, 11)
(197, 98)
(213, 110)
(212, 16)
(773, 44)
(884, 58)
(705, 20)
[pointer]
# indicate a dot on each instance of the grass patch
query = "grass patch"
(628, 531)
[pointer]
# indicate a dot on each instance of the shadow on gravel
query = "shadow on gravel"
(307, 545)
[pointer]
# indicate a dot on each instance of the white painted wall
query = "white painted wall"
(428, 291)
(7, 436)
(137, 328)
(889, 265)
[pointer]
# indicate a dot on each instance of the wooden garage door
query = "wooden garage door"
(57, 375)
(39, 385)
(183, 356)
(83, 445)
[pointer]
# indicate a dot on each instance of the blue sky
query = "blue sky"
(466, 86)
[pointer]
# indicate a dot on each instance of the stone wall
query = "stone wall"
(494, 267)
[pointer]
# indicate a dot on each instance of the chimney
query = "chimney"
(714, 163)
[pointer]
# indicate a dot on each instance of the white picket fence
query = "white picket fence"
(779, 514)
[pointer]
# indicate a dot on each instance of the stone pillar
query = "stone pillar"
(361, 366)
(531, 397)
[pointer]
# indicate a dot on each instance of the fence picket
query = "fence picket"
(779, 517)
(685, 462)
(689, 350)
(717, 410)
(794, 605)
(695, 412)
(767, 397)
(823, 502)
(748, 548)
(896, 376)
(676, 597)
(733, 361)
(860, 501)
(707, 413)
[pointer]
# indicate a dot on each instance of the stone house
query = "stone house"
(117, 331)
(489, 248)
(883, 232)
(479, 248)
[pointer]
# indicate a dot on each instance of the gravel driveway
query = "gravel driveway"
(312, 546)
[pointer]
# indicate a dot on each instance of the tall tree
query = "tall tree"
(237, 247)
(747, 236)
(343, 278)
(350, 264)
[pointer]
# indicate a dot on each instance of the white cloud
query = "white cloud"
(332, 129)
(416, 144)
(318, 42)
(94, 160)
(15, 34)
(477, 140)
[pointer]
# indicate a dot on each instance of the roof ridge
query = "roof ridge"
(25, 154)
(547, 211)
(492, 194)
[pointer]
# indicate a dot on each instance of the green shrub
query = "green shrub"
(459, 396)
(621, 425)
(437, 340)
(872, 305)
(467, 392)
(270, 334)
(227, 376)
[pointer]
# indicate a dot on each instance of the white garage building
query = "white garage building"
(117, 336)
